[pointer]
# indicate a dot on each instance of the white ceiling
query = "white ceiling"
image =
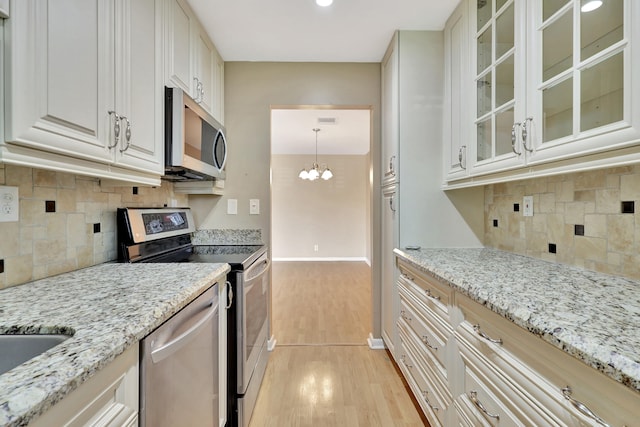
(292, 132)
(301, 31)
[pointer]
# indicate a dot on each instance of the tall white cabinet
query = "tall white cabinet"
(415, 211)
(84, 88)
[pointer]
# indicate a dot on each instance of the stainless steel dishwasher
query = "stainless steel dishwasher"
(179, 368)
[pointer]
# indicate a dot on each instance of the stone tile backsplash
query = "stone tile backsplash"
(44, 244)
(581, 214)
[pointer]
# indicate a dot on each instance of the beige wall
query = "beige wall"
(250, 91)
(611, 241)
(331, 214)
(43, 244)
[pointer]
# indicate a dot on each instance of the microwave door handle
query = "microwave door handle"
(177, 343)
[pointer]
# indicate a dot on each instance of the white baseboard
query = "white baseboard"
(271, 343)
(375, 343)
(322, 259)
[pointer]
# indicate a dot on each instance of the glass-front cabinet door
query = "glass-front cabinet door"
(582, 54)
(498, 67)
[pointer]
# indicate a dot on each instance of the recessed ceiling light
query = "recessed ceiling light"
(589, 5)
(324, 3)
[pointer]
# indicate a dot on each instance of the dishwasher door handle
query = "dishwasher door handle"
(177, 343)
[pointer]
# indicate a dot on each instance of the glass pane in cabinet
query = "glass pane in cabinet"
(484, 95)
(504, 81)
(484, 13)
(549, 7)
(484, 140)
(499, 4)
(601, 28)
(484, 50)
(601, 93)
(504, 32)
(557, 102)
(504, 123)
(557, 48)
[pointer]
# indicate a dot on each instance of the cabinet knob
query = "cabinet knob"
(525, 133)
(127, 134)
(514, 138)
(116, 129)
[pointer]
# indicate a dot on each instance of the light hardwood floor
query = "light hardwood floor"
(322, 373)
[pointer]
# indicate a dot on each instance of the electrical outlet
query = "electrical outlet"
(315, 248)
(527, 202)
(9, 203)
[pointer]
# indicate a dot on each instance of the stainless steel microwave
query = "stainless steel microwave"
(195, 143)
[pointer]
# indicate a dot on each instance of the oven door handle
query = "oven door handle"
(177, 343)
(261, 267)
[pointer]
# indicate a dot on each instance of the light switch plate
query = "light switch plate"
(254, 206)
(232, 206)
(527, 203)
(9, 203)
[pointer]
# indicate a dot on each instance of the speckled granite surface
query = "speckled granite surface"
(592, 316)
(227, 237)
(109, 308)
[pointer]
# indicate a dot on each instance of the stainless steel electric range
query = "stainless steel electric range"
(164, 235)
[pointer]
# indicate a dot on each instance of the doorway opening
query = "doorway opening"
(321, 230)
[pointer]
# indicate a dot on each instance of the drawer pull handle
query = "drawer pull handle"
(566, 392)
(404, 362)
(431, 295)
(406, 276)
(425, 340)
(426, 399)
(473, 395)
(485, 336)
(403, 314)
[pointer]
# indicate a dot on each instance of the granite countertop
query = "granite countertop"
(594, 317)
(108, 308)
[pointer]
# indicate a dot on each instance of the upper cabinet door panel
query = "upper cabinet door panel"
(140, 86)
(179, 26)
(60, 73)
(582, 96)
(205, 70)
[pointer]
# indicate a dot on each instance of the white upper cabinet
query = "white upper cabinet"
(139, 88)
(82, 88)
(582, 96)
(180, 24)
(549, 82)
(456, 76)
(193, 62)
(498, 73)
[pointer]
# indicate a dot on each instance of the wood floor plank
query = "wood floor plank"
(322, 373)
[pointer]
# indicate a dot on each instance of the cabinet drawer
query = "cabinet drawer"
(544, 370)
(432, 293)
(478, 406)
(432, 332)
(422, 381)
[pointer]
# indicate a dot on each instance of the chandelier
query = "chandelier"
(315, 172)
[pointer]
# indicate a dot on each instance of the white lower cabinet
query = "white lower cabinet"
(108, 399)
(468, 366)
